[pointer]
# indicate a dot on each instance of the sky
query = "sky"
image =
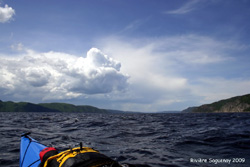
(133, 55)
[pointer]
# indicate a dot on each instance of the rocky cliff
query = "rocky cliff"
(234, 104)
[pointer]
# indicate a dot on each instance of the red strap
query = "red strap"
(44, 151)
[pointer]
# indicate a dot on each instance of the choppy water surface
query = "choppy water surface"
(157, 140)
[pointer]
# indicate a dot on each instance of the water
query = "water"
(157, 140)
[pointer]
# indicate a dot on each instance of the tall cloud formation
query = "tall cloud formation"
(55, 75)
(6, 13)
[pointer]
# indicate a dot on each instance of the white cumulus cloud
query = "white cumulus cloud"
(6, 13)
(55, 75)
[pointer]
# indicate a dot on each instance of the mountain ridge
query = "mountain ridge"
(233, 104)
(10, 106)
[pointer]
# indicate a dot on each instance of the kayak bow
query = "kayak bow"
(29, 151)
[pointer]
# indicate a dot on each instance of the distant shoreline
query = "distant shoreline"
(238, 104)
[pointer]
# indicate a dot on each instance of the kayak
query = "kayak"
(33, 153)
(29, 151)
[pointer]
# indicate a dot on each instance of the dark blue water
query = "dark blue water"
(157, 140)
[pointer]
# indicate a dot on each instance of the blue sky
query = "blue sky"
(141, 55)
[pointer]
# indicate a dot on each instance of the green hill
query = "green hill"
(10, 106)
(64, 107)
(234, 104)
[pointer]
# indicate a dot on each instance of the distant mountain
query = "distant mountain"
(166, 112)
(189, 109)
(116, 111)
(10, 106)
(234, 104)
